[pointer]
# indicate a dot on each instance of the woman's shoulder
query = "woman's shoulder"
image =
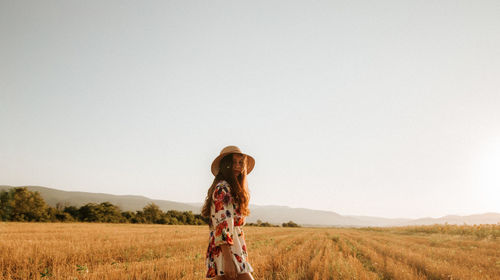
(222, 184)
(222, 187)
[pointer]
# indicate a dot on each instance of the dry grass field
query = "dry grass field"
(130, 251)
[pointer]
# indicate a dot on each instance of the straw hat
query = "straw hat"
(231, 150)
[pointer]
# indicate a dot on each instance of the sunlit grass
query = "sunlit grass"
(131, 251)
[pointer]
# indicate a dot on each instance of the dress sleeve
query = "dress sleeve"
(224, 213)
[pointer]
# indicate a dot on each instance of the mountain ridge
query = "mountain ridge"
(274, 214)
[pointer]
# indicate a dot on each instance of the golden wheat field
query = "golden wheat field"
(131, 251)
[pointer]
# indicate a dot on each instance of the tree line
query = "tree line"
(259, 223)
(21, 205)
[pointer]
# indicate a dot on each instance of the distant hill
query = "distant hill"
(486, 218)
(267, 213)
(125, 202)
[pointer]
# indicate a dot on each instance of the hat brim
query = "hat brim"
(215, 163)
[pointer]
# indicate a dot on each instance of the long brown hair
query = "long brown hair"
(239, 186)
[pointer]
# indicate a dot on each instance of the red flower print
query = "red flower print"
(229, 239)
(220, 227)
(211, 272)
(217, 250)
(227, 198)
(219, 205)
(238, 258)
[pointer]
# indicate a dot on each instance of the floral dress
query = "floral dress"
(227, 223)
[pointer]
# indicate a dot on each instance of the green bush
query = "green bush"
(20, 204)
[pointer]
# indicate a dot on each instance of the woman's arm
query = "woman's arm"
(224, 227)
(223, 218)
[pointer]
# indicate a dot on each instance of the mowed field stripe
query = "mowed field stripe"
(141, 251)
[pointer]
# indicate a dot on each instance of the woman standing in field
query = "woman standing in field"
(226, 206)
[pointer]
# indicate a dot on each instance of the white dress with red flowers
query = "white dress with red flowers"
(227, 223)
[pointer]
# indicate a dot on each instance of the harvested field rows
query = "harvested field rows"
(130, 251)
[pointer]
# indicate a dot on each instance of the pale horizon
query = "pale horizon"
(386, 109)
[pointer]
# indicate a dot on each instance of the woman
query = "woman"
(226, 206)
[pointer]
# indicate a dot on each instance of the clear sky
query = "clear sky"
(379, 108)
